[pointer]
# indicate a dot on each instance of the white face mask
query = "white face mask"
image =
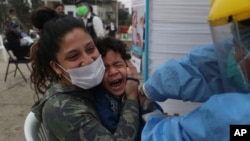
(88, 76)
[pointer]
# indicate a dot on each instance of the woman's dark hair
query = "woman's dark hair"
(53, 27)
(108, 43)
(42, 15)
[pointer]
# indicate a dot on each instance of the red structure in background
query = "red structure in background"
(124, 29)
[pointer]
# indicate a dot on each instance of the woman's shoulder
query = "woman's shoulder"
(60, 96)
(67, 112)
(66, 109)
(68, 101)
(65, 100)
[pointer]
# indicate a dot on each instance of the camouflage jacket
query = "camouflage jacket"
(69, 114)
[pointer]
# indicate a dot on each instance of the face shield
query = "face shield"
(232, 45)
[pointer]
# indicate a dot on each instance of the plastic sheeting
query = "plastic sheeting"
(176, 27)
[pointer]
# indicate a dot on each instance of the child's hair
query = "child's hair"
(109, 43)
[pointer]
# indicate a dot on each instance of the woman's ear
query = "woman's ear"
(56, 68)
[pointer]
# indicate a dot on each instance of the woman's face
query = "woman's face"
(77, 49)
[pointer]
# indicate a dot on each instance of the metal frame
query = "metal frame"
(12, 60)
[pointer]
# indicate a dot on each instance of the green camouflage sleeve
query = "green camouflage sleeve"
(128, 125)
(71, 119)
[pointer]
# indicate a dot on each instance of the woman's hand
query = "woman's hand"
(132, 84)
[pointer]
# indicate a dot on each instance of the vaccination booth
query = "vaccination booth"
(171, 28)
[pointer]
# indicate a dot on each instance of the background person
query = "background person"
(207, 74)
(17, 39)
(92, 22)
(62, 64)
(59, 8)
(111, 29)
(134, 27)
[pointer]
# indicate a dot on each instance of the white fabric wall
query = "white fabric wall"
(70, 8)
(3, 53)
(176, 26)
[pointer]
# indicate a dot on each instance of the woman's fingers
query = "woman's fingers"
(131, 70)
(132, 81)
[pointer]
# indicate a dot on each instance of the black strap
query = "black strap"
(134, 79)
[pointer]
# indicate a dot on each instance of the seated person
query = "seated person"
(14, 44)
(110, 95)
(17, 41)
